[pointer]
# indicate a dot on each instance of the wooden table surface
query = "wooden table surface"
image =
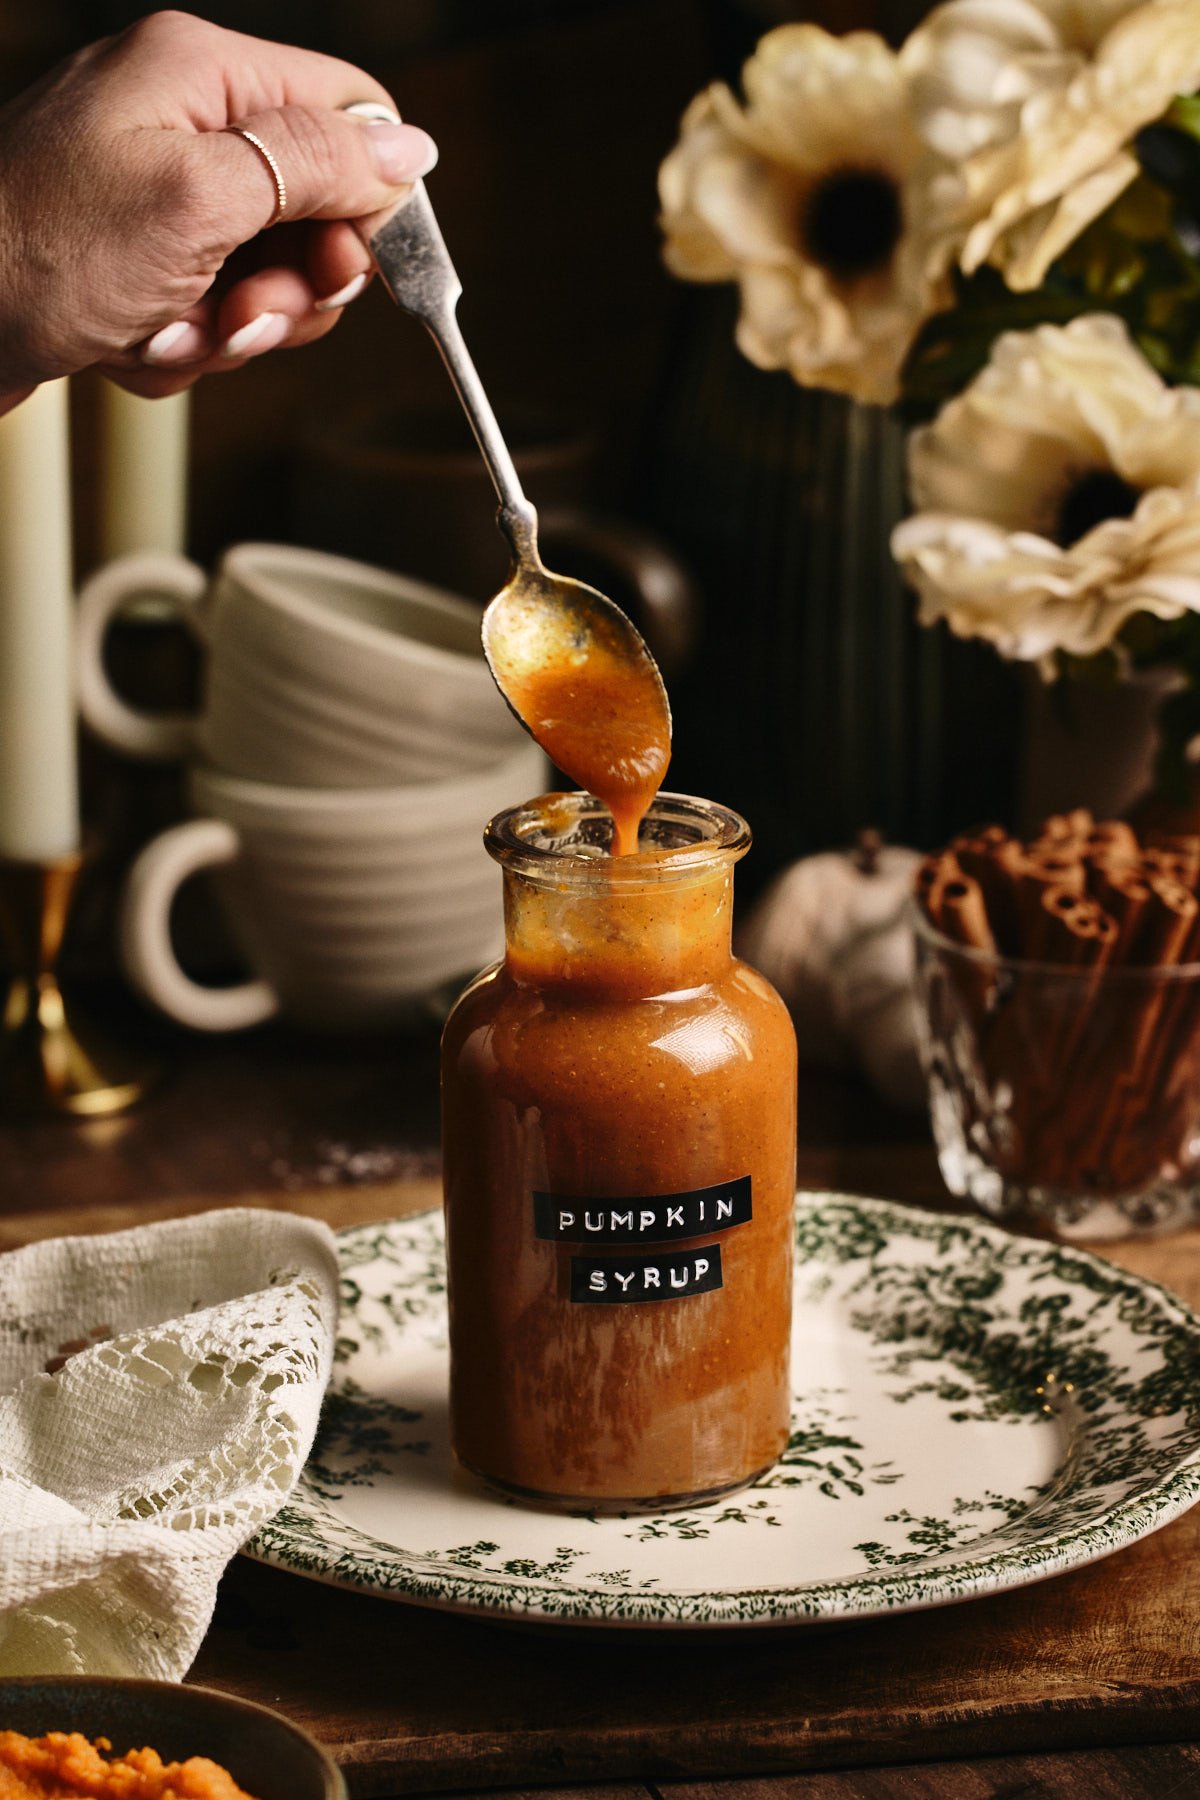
(1088, 1684)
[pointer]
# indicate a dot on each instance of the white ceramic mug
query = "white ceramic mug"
(320, 672)
(348, 905)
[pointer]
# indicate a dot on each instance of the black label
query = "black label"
(619, 1280)
(656, 1219)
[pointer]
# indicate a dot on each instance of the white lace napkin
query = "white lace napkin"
(159, 1391)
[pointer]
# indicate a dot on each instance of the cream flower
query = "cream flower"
(1037, 102)
(1058, 495)
(815, 198)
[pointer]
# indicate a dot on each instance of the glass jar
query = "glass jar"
(1063, 1097)
(619, 1106)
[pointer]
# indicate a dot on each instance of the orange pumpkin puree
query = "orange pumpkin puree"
(64, 1765)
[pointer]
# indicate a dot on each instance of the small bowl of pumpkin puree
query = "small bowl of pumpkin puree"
(94, 1738)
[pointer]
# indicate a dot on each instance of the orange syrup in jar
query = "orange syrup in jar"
(619, 1153)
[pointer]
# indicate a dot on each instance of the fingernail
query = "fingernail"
(181, 342)
(374, 109)
(263, 333)
(343, 297)
(402, 152)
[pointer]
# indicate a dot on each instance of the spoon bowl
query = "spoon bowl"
(579, 677)
(556, 635)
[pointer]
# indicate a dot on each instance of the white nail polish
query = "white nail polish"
(343, 297)
(171, 338)
(262, 333)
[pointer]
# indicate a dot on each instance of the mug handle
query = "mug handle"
(150, 737)
(144, 931)
(665, 597)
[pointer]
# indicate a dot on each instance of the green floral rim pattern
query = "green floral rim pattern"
(953, 1311)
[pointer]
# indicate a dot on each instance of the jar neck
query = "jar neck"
(613, 942)
(578, 918)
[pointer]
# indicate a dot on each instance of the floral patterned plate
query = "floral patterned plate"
(972, 1411)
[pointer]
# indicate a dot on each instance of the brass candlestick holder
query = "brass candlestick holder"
(54, 1059)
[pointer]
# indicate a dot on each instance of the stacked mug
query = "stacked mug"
(350, 748)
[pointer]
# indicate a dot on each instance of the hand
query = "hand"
(132, 221)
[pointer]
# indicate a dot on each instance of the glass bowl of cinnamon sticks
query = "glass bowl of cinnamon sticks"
(1060, 988)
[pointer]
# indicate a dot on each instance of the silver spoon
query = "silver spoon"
(539, 621)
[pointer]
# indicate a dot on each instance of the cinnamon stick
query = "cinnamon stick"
(965, 919)
(1062, 828)
(1038, 876)
(1169, 924)
(1125, 896)
(1180, 861)
(1098, 1080)
(964, 914)
(1057, 933)
(933, 875)
(1066, 1108)
(993, 859)
(1112, 839)
(1120, 1147)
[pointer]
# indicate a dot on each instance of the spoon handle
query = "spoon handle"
(411, 255)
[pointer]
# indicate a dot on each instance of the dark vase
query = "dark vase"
(814, 704)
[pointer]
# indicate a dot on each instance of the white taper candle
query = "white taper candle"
(39, 799)
(144, 471)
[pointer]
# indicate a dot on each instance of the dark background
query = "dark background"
(813, 705)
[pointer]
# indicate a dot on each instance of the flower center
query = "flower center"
(852, 222)
(1100, 494)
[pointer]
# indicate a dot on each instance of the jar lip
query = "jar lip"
(564, 838)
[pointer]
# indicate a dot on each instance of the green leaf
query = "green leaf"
(1142, 213)
(953, 346)
(1184, 114)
